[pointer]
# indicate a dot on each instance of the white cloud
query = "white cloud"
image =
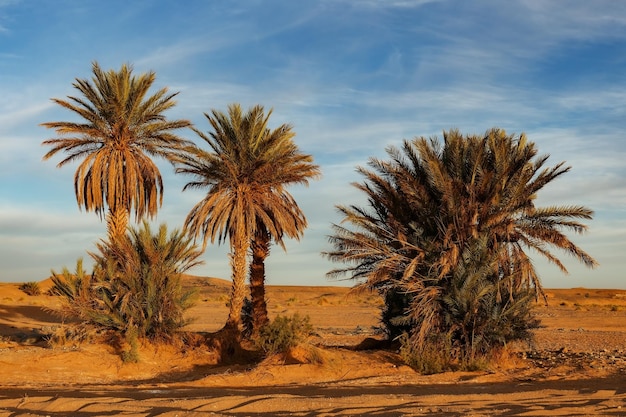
(578, 19)
(383, 4)
(176, 54)
(17, 116)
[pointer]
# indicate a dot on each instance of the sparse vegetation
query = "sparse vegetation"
(31, 288)
(284, 333)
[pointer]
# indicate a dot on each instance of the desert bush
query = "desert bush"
(31, 288)
(432, 357)
(469, 314)
(479, 310)
(458, 321)
(284, 333)
(136, 287)
(139, 282)
(78, 291)
(69, 334)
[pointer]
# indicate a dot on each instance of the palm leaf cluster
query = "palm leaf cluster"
(432, 209)
(121, 128)
(136, 285)
(76, 290)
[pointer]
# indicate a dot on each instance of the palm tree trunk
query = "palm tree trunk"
(260, 251)
(239, 247)
(117, 222)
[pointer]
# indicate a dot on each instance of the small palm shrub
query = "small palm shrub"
(78, 291)
(139, 282)
(31, 288)
(135, 289)
(480, 310)
(284, 333)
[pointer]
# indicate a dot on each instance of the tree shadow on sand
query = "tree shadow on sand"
(26, 324)
(606, 396)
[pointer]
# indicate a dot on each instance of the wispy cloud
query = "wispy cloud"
(578, 20)
(390, 3)
(16, 115)
(177, 54)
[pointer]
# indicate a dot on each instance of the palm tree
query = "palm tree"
(122, 128)
(429, 203)
(290, 167)
(245, 174)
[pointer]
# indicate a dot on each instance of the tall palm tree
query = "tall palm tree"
(122, 128)
(429, 203)
(245, 173)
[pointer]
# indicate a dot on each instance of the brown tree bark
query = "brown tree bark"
(260, 251)
(117, 222)
(238, 260)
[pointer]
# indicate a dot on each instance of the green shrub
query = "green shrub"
(132, 354)
(31, 288)
(284, 333)
(466, 317)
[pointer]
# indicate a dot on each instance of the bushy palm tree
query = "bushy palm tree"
(429, 202)
(139, 281)
(122, 127)
(245, 173)
(136, 287)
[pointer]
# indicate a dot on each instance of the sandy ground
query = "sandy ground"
(576, 366)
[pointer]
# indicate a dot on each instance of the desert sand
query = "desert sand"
(575, 366)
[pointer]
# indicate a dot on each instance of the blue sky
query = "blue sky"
(352, 76)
